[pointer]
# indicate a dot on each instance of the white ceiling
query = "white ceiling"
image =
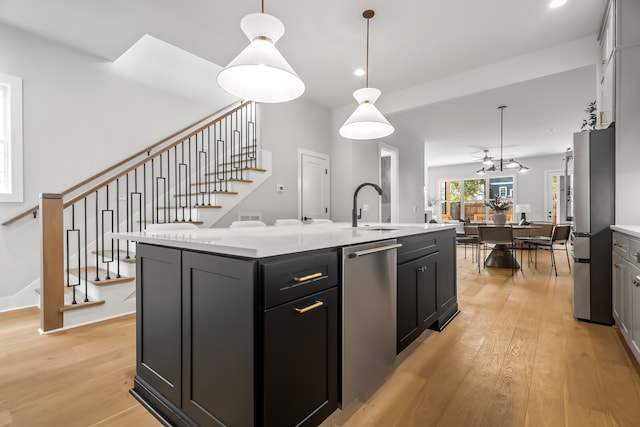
(412, 42)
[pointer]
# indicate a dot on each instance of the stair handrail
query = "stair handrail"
(211, 118)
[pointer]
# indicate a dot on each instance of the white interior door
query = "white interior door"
(314, 185)
(554, 190)
(389, 183)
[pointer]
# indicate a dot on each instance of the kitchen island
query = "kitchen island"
(243, 327)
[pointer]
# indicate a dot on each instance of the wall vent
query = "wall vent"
(249, 216)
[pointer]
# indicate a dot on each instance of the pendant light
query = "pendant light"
(260, 73)
(366, 122)
(511, 164)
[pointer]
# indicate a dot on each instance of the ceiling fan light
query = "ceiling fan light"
(481, 171)
(260, 73)
(492, 168)
(512, 164)
(486, 159)
(523, 169)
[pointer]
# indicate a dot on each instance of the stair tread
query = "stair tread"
(192, 207)
(123, 255)
(239, 169)
(232, 193)
(172, 222)
(80, 304)
(101, 272)
(217, 181)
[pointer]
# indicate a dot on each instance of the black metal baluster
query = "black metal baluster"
(154, 205)
(118, 225)
(107, 214)
(97, 279)
(69, 233)
(144, 191)
(86, 254)
(189, 180)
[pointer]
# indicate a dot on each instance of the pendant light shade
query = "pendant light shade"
(260, 73)
(367, 122)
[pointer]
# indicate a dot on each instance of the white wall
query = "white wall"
(529, 186)
(80, 116)
(628, 113)
(284, 128)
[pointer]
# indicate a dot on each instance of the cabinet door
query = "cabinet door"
(634, 332)
(626, 302)
(218, 336)
(446, 281)
(617, 277)
(301, 360)
(417, 306)
(158, 333)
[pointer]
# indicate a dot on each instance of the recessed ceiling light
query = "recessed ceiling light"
(551, 130)
(557, 3)
(359, 72)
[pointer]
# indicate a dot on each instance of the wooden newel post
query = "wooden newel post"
(52, 261)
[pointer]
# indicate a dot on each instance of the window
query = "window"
(10, 138)
(465, 198)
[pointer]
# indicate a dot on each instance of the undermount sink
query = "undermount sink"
(377, 228)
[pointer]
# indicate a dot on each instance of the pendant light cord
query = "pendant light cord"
(502, 107)
(367, 60)
(262, 6)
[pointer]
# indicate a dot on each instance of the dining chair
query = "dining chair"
(500, 237)
(469, 238)
(521, 235)
(559, 236)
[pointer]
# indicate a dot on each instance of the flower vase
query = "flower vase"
(499, 218)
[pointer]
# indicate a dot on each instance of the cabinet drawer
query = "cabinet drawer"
(620, 244)
(288, 277)
(634, 251)
(414, 247)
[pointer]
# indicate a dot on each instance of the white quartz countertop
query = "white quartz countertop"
(632, 230)
(259, 242)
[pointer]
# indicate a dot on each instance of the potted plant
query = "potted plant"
(499, 208)
(590, 123)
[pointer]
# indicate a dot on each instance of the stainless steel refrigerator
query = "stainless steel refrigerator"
(593, 213)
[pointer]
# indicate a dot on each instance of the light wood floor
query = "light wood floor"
(513, 357)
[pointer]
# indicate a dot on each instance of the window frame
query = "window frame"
(487, 191)
(13, 162)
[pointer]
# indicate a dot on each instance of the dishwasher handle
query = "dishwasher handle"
(374, 250)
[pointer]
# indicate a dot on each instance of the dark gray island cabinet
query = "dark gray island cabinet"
(241, 341)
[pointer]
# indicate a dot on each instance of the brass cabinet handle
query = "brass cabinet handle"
(616, 265)
(635, 254)
(636, 282)
(422, 269)
(617, 244)
(310, 307)
(308, 277)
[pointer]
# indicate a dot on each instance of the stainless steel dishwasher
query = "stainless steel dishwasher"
(368, 315)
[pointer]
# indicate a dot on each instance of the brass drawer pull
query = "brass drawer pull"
(616, 265)
(635, 254)
(636, 282)
(618, 245)
(308, 277)
(310, 307)
(422, 269)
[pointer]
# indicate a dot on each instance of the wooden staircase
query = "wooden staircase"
(196, 178)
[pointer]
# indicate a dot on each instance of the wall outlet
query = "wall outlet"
(280, 188)
(415, 209)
